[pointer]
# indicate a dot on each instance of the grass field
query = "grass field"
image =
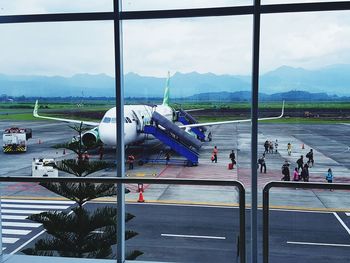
(23, 111)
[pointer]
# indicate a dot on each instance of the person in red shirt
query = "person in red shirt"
(215, 154)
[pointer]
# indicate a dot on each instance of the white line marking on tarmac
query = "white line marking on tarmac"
(190, 236)
(15, 232)
(37, 201)
(348, 214)
(342, 222)
(33, 238)
(12, 217)
(26, 243)
(9, 240)
(35, 206)
(318, 244)
(230, 207)
(27, 212)
(16, 224)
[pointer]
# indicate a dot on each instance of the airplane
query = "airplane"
(135, 117)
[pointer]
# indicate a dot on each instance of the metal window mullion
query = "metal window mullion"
(118, 54)
(69, 17)
(254, 132)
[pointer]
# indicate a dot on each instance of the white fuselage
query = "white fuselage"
(135, 117)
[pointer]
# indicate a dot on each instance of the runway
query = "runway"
(189, 234)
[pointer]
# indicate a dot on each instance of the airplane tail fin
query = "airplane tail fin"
(35, 111)
(167, 91)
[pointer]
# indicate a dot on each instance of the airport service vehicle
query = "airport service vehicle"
(136, 117)
(44, 168)
(15, 139)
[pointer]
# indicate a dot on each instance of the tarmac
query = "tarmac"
(329, 143)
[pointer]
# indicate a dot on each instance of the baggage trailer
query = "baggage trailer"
(15, 139)
(44, 168)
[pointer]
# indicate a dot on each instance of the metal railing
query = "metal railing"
(118, 180)
(266, 196)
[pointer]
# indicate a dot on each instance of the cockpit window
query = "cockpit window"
(128, 119)
(113, 120)
(106, 120)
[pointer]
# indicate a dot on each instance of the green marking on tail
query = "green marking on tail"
(167, 91)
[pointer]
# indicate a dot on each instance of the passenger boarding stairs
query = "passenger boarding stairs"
(185, 118)
(177, 139)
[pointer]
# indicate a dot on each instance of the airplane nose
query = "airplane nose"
(107, 134)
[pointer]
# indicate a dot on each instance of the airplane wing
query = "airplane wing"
(36, 115)
(229, 122)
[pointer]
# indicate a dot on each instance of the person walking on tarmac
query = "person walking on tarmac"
(289, 148)
(276, 146)
(300, 162)
(262, 163)
(329, 176)
(296, 174)
(310, 156)
(285, 171)
(215, 154)
(131, 160)
(266, 146)
(233, 158)
(167, 158)
(305, 173)
(209, 137)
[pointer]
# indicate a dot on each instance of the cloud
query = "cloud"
(222, 45)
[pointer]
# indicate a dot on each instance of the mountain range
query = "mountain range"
(331, 81)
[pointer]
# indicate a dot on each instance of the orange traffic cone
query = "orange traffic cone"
(141, 200)
(302, 146)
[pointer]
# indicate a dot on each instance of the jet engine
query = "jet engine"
(90, 137)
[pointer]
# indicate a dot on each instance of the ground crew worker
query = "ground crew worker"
(101, 152)
(131, 160)
(300, 162)
(86, 156)
(215, 154)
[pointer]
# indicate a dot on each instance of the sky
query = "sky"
(221, 45)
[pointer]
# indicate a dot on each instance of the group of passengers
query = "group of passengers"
(301, 172)
(271, 147)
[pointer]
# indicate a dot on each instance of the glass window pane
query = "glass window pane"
(25, 7)
(209, 64)
(305, 61)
